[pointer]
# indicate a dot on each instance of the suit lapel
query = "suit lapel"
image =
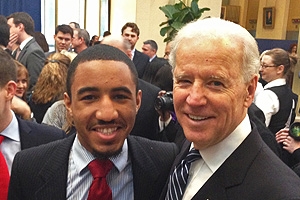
(25, 138)
(55, 171)
(141, 171)
(233, 171)
(23, 51)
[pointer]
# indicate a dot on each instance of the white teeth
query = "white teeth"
(106, 131)
(197, 117)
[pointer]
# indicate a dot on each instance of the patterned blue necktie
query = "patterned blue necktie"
(178, 179)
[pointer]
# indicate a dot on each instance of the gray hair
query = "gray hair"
(218, 29)
(82, 33)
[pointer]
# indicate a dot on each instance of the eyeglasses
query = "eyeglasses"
(263, 66)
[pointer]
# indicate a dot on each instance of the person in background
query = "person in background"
(167, 50)
(223, 156)
(63, 39)
(74, 25)
(17, 134)
(277, 100)
(19, 102)
(106, 33)
(103, 104)
(130, 31)
(150, 49)
(81, 39)
(4, 34)
(94, 39)
(41, 40)
(22, 81)
(29, 53)
(292, 146)
(50, 86)
(293, 50)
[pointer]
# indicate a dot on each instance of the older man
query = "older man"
(215, 76)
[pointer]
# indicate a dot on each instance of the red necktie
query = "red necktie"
(4, 175)
(99, 188)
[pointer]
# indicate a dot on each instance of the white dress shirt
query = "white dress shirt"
(268, 101)
(213, 157)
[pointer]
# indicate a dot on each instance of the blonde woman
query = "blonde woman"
(50, 85)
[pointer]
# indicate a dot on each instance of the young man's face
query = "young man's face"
(62, 41)
(103, 106)
(132, 37)
(14, 29)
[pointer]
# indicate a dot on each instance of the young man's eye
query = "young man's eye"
(89, 97)
(120, 96)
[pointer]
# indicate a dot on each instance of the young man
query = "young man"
(212, 92)
(29, 53)
(131, 32)
(102, 103)
(63, 38)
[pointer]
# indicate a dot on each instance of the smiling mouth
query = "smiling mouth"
(197, 118)
(106, 131)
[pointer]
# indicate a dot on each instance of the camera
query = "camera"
(294, 131)
(165, 102)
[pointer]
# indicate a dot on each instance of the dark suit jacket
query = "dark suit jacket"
(146, 122)
(33, 58)
(252, 171)
(41, 173)
(33, 134)
(140, 61)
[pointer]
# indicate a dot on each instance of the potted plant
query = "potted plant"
(178, 15)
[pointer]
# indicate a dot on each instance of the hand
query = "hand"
(165, 115)
(282, 135)
(21, 108)
(290, 144)
(12, 44)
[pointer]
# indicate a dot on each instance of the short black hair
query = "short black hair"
(152, 43)
(25, 19)
(4, 31)
(100, 52)
(65, 29)
(75, 24)
(8, 69)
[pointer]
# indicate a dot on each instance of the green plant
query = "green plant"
(178, 15)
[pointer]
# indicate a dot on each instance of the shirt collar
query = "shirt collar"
(214, 156)
(276, 82)
(22, 45)
(152, 58)
(132, 53)
(12, 130)
(83, 157)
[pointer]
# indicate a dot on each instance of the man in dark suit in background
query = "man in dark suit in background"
(63, 39)
(30, 54)
(146, 122)
(102, 103)
(224, 156)
(18, 134)
(131, 32)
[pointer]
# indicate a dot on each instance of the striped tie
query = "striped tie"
(178, 179)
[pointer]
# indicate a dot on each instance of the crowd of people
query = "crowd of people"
(98, 119)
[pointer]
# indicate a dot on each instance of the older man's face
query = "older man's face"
(210, 96)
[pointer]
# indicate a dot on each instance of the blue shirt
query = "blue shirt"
(11, 144)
